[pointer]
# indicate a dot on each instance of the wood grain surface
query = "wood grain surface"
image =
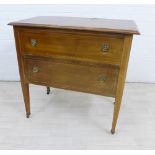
(97, 80)
(80, 54)
(77, 23)
(75, 45)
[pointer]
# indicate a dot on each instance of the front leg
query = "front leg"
(121, 80)
(25, 89)
(117, 105)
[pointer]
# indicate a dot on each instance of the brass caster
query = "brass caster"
(28, 115)
(112, 131)
(48, 90)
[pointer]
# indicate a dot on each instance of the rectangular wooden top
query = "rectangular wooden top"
(77, 23)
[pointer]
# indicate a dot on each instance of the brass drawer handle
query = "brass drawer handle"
(104, 47)
(102, 78)
(34, 42)
(35, 69)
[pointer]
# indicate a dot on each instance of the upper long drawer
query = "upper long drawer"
(102, 48)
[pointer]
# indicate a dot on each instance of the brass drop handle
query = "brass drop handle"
(35, 69)
(102, 78)
(105, 47)
(34, 42)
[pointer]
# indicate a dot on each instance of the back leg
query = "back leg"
(48, 90)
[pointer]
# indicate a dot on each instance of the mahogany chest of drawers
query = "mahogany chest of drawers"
(81, 54)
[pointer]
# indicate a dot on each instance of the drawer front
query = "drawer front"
(100, 48)
(92, 79)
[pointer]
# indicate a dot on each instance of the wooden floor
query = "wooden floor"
(71, 120)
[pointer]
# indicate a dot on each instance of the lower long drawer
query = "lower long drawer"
(100, 80)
